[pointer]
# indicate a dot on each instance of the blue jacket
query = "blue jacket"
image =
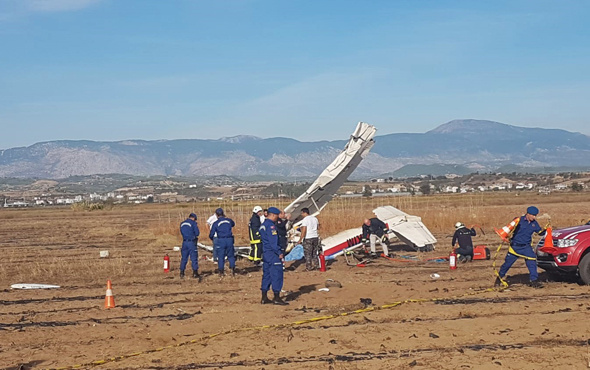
(222, 227)
(270, 242)
(189, 229)
(523, 234)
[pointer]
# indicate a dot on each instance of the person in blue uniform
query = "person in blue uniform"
(463, 237)
(225, 241)
(520, 247)
(272, 259)
(190, 237)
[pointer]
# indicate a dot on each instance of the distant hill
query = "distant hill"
(471, 144)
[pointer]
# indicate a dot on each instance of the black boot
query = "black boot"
(498, 283)
(182, 274)
(221, 273)
(278, 301)
(233, 272)
(265, 299)
(196, 275)
(536, 284)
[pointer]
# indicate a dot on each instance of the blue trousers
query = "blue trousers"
(525, 250)
(215, 249)
(189, 249)
(272, 275)
(225, 248)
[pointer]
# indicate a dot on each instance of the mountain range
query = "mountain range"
(469, 145)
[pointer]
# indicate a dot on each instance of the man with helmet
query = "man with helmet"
(463, 237)
(254, 231)
(222, 230)
(190, 237)
(520, 247)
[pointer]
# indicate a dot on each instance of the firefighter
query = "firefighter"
(222, 231)
(463, 237)
(254, 230)
(272, 259)
(190, 237)
(374, 230)
(520, 247)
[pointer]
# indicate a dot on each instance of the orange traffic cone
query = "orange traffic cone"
(504, 232)
(548, 246)
(109, 300)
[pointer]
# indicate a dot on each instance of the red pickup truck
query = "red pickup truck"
(571, 255)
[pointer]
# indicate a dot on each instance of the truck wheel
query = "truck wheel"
(584, 268)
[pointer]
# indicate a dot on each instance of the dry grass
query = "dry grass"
(54, 243)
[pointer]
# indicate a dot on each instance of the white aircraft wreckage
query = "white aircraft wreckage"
(407, 228)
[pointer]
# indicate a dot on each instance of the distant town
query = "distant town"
(99, 190)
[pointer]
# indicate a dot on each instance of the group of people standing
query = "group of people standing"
(268, 230)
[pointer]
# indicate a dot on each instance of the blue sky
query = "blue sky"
(151, 69)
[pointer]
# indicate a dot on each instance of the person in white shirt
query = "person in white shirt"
(310, 240)
(210, 221)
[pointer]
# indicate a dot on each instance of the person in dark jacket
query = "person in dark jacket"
(272, 257)
(222, 230)
(463, 237)
(520, 247)
(190, 237)
(374, 230)
(282, 225)
(254, 231)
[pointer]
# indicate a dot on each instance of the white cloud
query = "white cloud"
(58, 5)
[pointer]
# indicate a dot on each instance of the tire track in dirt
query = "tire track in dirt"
(366, 356)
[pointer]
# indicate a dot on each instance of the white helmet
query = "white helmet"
(257, 209)
(459, 225)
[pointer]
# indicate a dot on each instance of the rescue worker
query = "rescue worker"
(254, 231)
(190, 237)
(310, 240)
(222, 230)
(282, 228)
(210, 221)
(272, 259)
(463, 237)
(374, 230)
(520, 246)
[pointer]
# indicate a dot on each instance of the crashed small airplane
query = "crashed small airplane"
(407, 228)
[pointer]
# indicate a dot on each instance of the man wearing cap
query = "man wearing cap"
(222, 231)
(254, 231)
(272, 259)
(190, 234)
(520, 246)
(463, 237)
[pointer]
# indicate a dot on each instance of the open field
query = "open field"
(167, 322)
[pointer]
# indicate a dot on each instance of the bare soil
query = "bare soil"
(167, 322)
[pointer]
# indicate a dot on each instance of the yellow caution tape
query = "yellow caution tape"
(274, 326)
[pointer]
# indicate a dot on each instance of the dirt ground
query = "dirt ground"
(162, 322)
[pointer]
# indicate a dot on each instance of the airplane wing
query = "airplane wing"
(317, 196)
(407, 228)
